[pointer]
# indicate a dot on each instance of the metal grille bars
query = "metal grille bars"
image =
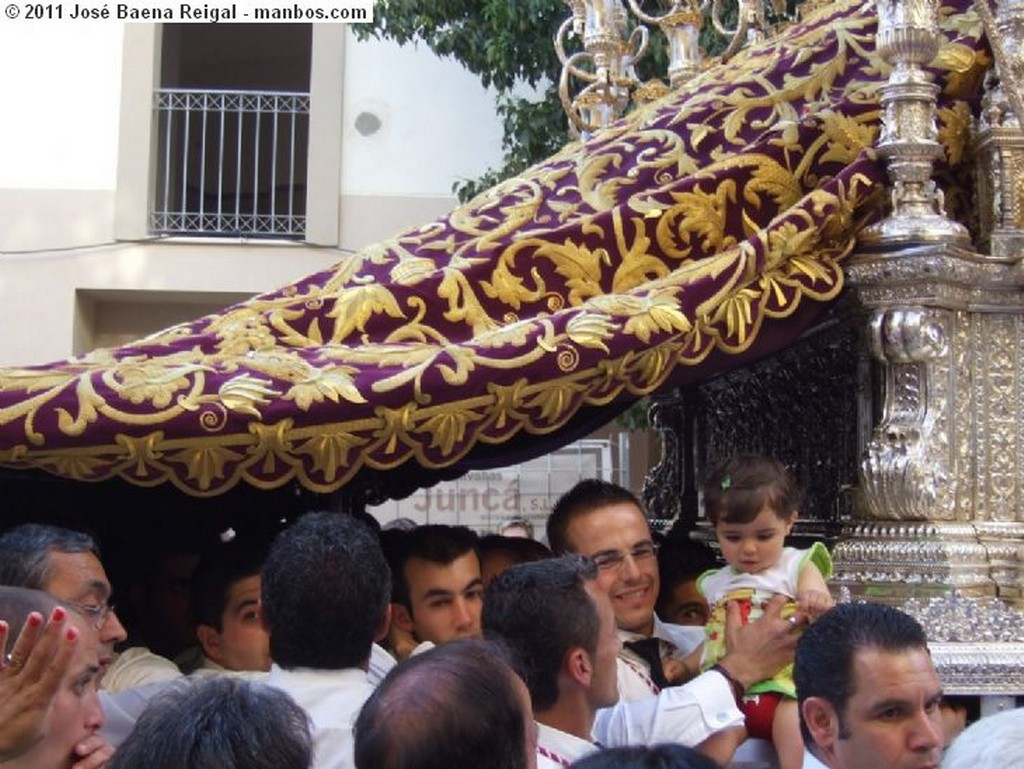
(231, 163)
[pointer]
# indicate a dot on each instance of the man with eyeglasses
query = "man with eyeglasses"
(605, 523)
(66, 564)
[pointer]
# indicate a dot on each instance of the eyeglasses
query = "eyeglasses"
(97, 613)
(611, 560)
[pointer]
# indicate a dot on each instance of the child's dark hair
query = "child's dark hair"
(738, 488)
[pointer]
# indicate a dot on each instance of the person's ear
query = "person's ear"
(792, 522)
(211, 642)
(383, 624)
(579, 666)
(402, 618)
(822, 722)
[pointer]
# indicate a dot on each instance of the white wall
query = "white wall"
(60, 86)
(437, 121)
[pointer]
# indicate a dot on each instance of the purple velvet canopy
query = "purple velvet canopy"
(701, 231)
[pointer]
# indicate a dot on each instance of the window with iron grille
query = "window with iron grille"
(232, 131)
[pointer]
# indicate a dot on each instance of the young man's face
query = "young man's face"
(242, 642)
(445, 600)
(78, 580)
(892, 718)
(632, 584)
(605, 681)
(685, 605)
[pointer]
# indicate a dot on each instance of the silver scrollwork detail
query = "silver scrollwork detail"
(904, 473)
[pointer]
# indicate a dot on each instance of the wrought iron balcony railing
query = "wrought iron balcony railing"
(230, 163)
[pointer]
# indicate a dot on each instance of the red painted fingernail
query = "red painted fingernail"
(35, 619)
(72, 633)
(59, 614)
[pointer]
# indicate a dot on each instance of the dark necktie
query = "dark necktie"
(649, 650)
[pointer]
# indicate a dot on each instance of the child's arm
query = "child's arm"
(812, 592)
(679, 670)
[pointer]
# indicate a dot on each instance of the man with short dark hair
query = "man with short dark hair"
(225, 605)
(563, 633)
(458, 706)
(216, 723)
(438, 591)
(868, 692)
(325, 594)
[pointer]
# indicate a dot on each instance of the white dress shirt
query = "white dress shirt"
(332, 698)
(556, 749)
(686, 714)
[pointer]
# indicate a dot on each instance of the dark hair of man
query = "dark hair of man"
(823, 666)
(25, 552)
(216, 573)
(542, 610)
(324, 592)
(647, 757)
(586, 496)
(436, 543)
(219, 722)
(737, 489)
(453, 707)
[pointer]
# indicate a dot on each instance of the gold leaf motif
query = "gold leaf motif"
(846, 137)
(332, 382)
(509, 288)
(330, 452)
(412, 270)
(81, 467)
(638, 264)
(700, 215)
(354, 307)
(590, 329)
(206, 463)
(660, 312)
(244, 393)
(738, 314)
(579, 265)
(555, 401)
(448, 428)
(955, 124)
(150, 381)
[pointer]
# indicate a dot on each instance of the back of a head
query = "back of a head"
(647, 757)
(542, 610)
(823, 666)
(436, 543)
(324, 593)
(587, 495)
(994, 742)
(24, 552)
(516, 549)
(219, 723)
(453, 707)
